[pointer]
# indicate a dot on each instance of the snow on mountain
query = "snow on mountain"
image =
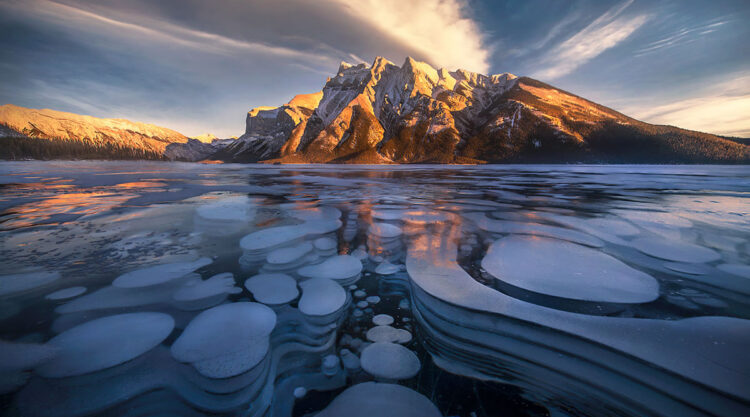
(92, 131)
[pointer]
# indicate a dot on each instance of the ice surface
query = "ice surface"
(389, 361)
(105, 342)
(562, 269)
(739, 270)
(158, 274)
(272, 289)
(675, 250)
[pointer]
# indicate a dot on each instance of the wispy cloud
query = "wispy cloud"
(606, 32)
(159, 31)
(440, 30)
(682, 36)
(724, 109)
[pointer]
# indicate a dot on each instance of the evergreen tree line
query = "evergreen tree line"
(17, 148)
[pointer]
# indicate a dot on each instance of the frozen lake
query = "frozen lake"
(176, 289)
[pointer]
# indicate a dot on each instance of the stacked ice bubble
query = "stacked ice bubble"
(384, 242)
(550, 328)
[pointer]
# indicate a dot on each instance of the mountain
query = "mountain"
(415, 113)
(54, 134)
(197, 148)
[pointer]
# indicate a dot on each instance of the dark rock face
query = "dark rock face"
(416, 114)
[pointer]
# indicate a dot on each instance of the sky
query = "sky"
(197, 66)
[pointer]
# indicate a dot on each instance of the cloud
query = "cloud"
(157, 31)
(606, 32)
(439, 29)
(723, 110)
(681, 37)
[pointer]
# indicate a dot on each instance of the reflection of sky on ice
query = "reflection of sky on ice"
(560, 280)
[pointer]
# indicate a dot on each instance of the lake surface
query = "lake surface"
(176, 289)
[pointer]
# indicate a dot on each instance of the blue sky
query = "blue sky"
(199, 66)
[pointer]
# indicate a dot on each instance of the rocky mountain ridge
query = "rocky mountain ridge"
(383, 113)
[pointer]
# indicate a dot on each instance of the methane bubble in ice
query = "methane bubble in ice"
(18, 283)
(66, 293)
(321, 296)
(385, 333)
(675, 250)
(592, 276)
(389, 361)
(158, 274)
(199, 295)
(374, 399)
(344, 269)
(105, 342)
(227, 340)
(272, 289)
(382, 320)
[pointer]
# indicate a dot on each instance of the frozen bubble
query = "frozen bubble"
(66, 293)
(321, 296)
(316, 213)
(158, 274)
(19, 356)
(690, 269)
(403, 304)
(385, 230)
(349, 360)
(387, 268)
(358, 313)
(236, 208)
(533, 229)
(325, 244)
(362, 304)
(382, 320)
(359, 254)
(374, 399)
(330, 365)
(385, 333)
(389, 361)
(736, 269)
(674, 250)
(18, 283)
(300, 392)
(340, 268)
(199, 294)
(272, 289)
(273, 237)
(227, 340)
(544, 266)
(289, 255)
(373, 299)
(105, 342)
(359, 294)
